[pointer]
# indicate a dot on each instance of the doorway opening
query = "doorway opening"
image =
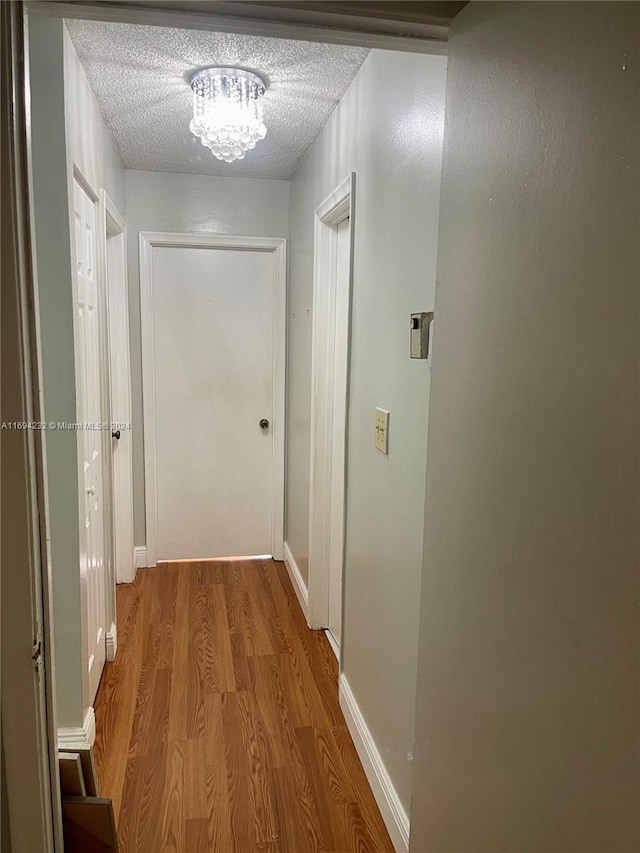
(205, 306)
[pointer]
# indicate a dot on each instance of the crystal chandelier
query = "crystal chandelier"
(227, 111)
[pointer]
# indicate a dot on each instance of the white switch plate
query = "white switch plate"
(381, 437)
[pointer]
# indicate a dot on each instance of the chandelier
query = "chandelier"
(227, 111)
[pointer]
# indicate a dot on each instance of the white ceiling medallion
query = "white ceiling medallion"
(227, 111)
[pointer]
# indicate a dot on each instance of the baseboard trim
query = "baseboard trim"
(393, 814)
(297, 582)
(112, 642)
(140, 553)
(78, 737)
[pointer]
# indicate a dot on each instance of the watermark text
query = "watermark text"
(64, 425)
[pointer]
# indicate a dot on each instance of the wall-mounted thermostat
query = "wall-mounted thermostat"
(420, 328)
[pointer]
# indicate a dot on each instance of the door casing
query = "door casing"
(276, 245)
(114, 232)
(329, 410)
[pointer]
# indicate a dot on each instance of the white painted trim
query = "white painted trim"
(276, 245)
(113, 225)
(296, 579)
(140, 556)
(414, 37)
(279, 396)
(112, 642)
(117, 224)
(81, 737)
(393, 813)
(326, 431)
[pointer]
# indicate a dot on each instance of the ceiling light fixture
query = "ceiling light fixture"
(227, 111)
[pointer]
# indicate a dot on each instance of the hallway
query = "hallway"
(218, 725)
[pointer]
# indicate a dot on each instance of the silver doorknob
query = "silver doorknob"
(264, 424)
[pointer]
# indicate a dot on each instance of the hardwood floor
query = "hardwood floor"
(218, 724)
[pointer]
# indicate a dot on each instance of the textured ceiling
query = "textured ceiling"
(139, 75)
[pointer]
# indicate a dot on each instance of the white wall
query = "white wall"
(527, 714)
(67, 130)
(388, 129)
(190, 204)
(89, 141)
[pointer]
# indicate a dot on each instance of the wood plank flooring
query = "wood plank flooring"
(218, 724)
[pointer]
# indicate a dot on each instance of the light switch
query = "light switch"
(381, 439)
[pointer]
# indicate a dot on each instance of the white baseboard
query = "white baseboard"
(393, 814)
(78, 737)
(140, 556)
(112, 642)
(296, 580)
(130, 575)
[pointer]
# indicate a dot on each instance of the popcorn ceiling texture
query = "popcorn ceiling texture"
(139, 76)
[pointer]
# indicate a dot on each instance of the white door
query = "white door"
(212, 321)
(92, 561)
(340, 381)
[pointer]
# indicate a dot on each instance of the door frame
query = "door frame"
(328, 415)
(278, 247)
(30, 778)
(113, 224)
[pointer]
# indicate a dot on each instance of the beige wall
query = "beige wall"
(190, 204)
(527, 712)
(388, 129)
